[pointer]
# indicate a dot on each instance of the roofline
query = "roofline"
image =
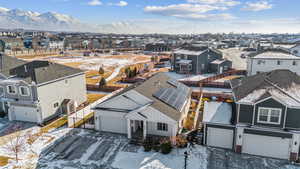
(59, 79)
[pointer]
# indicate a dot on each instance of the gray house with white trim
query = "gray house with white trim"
(157, 106)
(266, 116)
(38, 91)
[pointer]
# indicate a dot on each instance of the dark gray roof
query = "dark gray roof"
(276, 79)
(154, 84)
(43, 71)
(7, 63)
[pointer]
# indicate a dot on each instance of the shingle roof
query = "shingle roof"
(7, 63)
(43, 71)
(151, 86)
(278, 83)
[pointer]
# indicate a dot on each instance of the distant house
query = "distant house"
(40, 90)
(157, 47)
(264, 119)
(198, 60)
(220, 66)
(271, 60)
(159, 110)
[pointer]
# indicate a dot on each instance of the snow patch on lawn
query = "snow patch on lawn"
(154, 160)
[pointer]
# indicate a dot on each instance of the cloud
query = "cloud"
(223, 16)
(190, 11)
(121, 3)
(257, 6)
(95, 3)
(216, 2)
(180, 9)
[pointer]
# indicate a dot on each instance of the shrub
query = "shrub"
(102, 82)
(101, 71)
(181, 142)
(2, 114)
(147, 146)
(166, 147)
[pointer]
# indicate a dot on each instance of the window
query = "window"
(269, 115)
(294, 63)
(56, 105)
(278, 62)
(162, 126)
(24, 91)
(11, 89)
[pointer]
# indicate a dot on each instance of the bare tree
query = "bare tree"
(15, 141)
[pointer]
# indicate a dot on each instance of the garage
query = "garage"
(28, 114)
(113, 124)
(217, 137)
(269, 146)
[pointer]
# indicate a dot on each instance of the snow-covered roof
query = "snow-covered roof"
(275, 55)
(281, 85)
(217, 112)
(188, 52)
(218, 61)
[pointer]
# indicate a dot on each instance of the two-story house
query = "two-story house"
(271, 60)
(265, 117)
(197, 60)
(37, 91)
(6, 64)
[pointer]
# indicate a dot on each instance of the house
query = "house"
(265, 117)
(38, 91)
(157, 106)
(220, 66)
(6, 63)
(271, 60)
(195, 59)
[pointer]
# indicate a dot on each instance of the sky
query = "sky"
(177, 16)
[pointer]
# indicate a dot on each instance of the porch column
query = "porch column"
(129, 128)
(145, 129)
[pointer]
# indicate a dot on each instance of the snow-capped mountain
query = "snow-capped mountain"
(16, 18)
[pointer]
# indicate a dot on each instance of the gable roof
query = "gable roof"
(43, 71)
(139, 95)
(7, 63)
(282, 85)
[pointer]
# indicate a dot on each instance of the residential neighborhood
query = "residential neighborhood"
(197, 84)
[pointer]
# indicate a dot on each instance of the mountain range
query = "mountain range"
(52, 21)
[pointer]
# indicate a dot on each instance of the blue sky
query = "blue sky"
(191, 15)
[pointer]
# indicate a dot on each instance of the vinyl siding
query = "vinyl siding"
(270, 103)
(292, 118)
(246, 114)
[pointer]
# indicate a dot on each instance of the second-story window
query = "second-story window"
(269, 115)
(294, 63)
(24, 91)
(162, 126)
(11, 89)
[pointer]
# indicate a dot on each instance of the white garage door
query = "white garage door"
(275, 147)
(25, 114)
(222, 138)
(113, 124)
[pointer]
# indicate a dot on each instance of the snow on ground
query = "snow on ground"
(30, 155)
(154, 160)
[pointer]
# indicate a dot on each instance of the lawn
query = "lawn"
(4, 160)
(94, 97)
